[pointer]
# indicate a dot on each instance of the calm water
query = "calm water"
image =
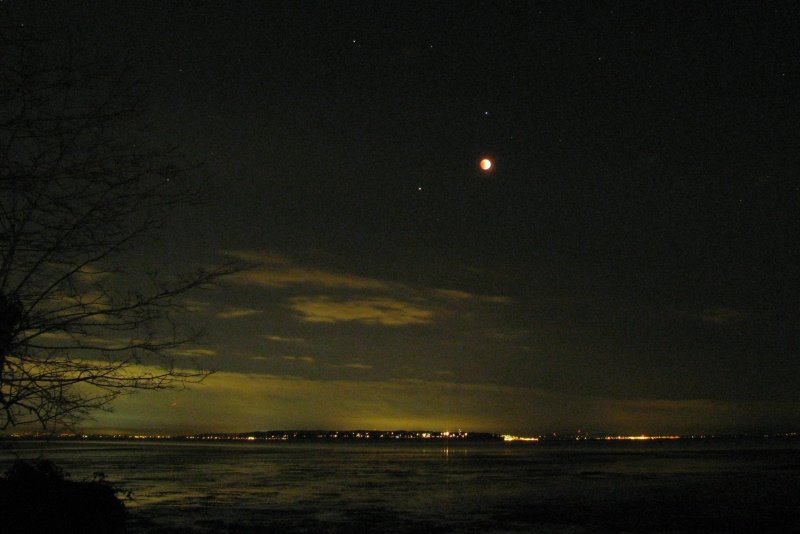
(719, 486)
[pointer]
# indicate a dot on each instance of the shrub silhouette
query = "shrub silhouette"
(38, 497)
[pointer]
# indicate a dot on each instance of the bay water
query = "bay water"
(720, 485)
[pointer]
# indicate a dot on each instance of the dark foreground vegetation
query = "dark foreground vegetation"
(38, 497)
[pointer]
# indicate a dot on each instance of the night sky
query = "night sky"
(628, 264)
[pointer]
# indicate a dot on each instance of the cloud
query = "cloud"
(359, 366)
(278, 272)
(77, 341)
(462, 296)
(371, 301)
(283, 277)
(382, 311)
(258, 257)
(281, 339)
(232, 312)
(453, 294)
(54, 338)
(191, 353)
(318, 295)
(87, 305)
(192, 305)
(304, 359)
(496, 299)
(91, 273)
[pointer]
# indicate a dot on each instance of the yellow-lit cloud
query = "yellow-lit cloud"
(304, 359)
(231, 312)
(192, 305)
(282, 339)
(463, 296)
(359, 366)
(77, 342)
(383, 311)
(269, 270)
(344, 297)
(278, 271)
(288, 276)
(191, 352)
(257, 257)
(90, 305)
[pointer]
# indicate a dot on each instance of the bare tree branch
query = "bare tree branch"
(78, 190)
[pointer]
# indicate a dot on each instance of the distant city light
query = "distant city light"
(509, 437)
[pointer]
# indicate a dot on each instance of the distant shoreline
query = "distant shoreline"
(381, 436)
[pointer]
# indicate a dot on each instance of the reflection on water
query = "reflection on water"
(410, 487)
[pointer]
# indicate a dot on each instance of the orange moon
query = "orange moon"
(486, 164)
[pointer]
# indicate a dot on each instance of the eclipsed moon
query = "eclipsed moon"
(486, 164)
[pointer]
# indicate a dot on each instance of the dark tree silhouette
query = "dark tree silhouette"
(79, 191)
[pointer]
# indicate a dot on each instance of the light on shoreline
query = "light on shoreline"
(509, 437)
(639, 438)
